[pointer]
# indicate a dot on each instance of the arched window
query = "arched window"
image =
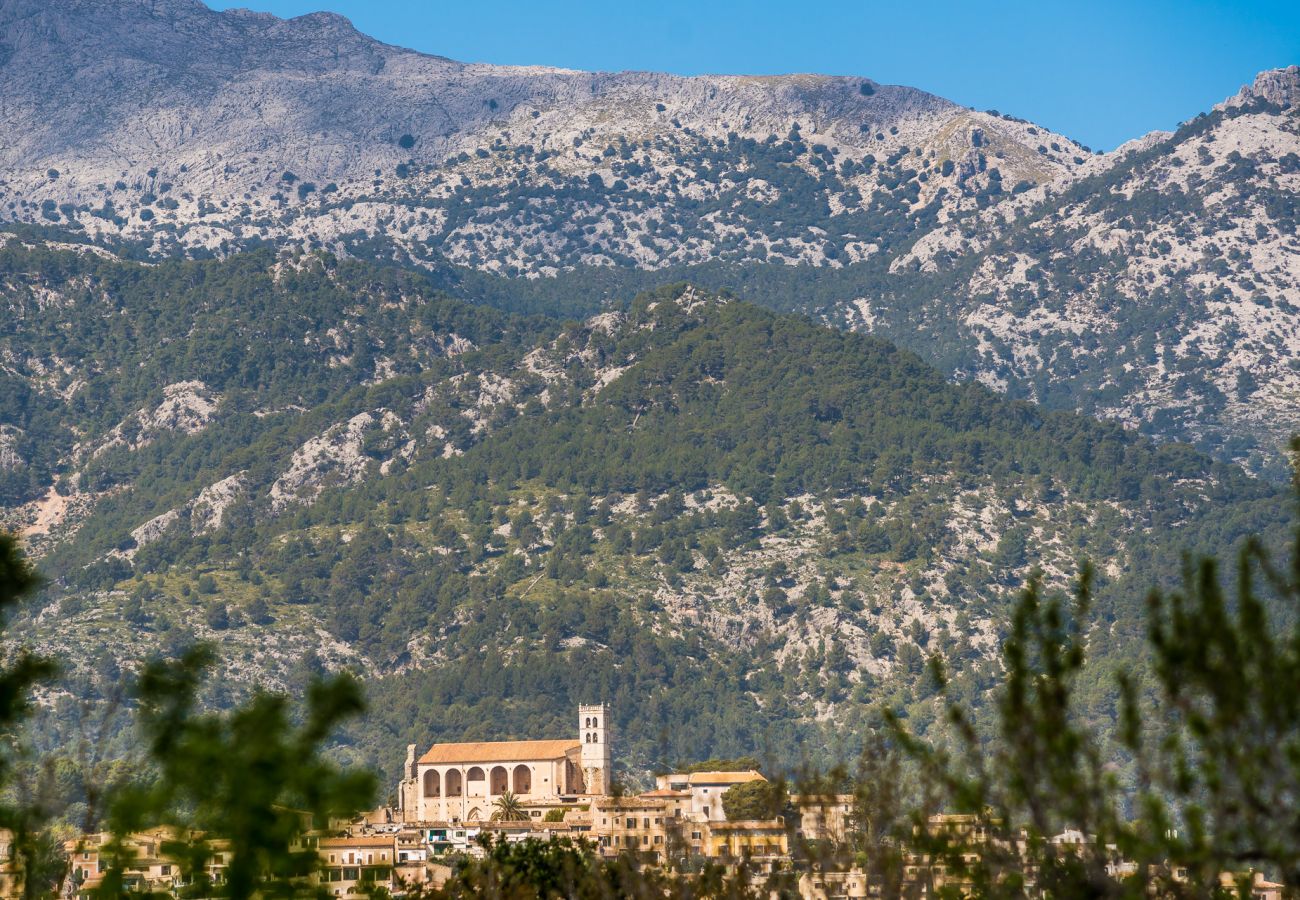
(453, 783)
(595, 723)
(500, 780)
(523, 779)
(588, 722)
(432, 783)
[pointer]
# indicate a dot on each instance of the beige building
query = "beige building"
(684, 818)
(148, 868)
(820, 885)
(352, 866)
(650, 825)
(824, 817)
(461, 782)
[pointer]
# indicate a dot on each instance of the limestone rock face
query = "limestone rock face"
(162, 120)
(1159, 285)
(1277, 86)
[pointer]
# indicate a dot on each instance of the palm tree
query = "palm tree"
(508, 809)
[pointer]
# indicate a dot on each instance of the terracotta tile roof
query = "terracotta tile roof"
(499, 751)
(725, 777)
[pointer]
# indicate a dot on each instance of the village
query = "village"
(455, 796)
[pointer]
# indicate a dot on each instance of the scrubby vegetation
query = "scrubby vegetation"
(694, 505)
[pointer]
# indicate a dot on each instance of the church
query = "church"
(460, 782)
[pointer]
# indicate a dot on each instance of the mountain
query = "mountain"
(1156, 285)
(742, 529)
(165, 122)
(1161, 290)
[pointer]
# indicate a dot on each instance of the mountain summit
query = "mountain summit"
(204, 129)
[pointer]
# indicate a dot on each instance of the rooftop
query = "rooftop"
(499, 751)
(360, 840)
(724, 777)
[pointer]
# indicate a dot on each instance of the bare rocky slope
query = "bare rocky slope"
(1162, 290)
(166, 121)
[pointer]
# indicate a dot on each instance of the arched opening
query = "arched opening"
(500, 780)
(588, 722)
(523, 780)
(474, 815)
(453, 783)
(475, 779)
(595, 723)
(432, 784)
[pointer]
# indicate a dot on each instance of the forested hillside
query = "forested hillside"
(739, 528)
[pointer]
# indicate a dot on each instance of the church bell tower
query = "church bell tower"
(593, 732)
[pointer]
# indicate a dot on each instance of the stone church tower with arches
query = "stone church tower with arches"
(595, 749)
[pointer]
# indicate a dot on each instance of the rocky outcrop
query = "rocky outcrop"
(10, 458)
(1280, 87)
(186, 408)
(337, 456)
(208, 509)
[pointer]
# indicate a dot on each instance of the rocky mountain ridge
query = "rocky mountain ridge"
(1163, 291)
(1155, 284)
(196, 130)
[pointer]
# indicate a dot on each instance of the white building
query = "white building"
(706, 790)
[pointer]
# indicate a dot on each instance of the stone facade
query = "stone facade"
(461, 782)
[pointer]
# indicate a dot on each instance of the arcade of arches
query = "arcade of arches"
(461, 782)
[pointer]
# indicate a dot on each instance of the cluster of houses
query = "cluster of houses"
(563, 787)
(455, 793)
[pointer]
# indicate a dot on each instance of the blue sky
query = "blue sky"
(1099, 71)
